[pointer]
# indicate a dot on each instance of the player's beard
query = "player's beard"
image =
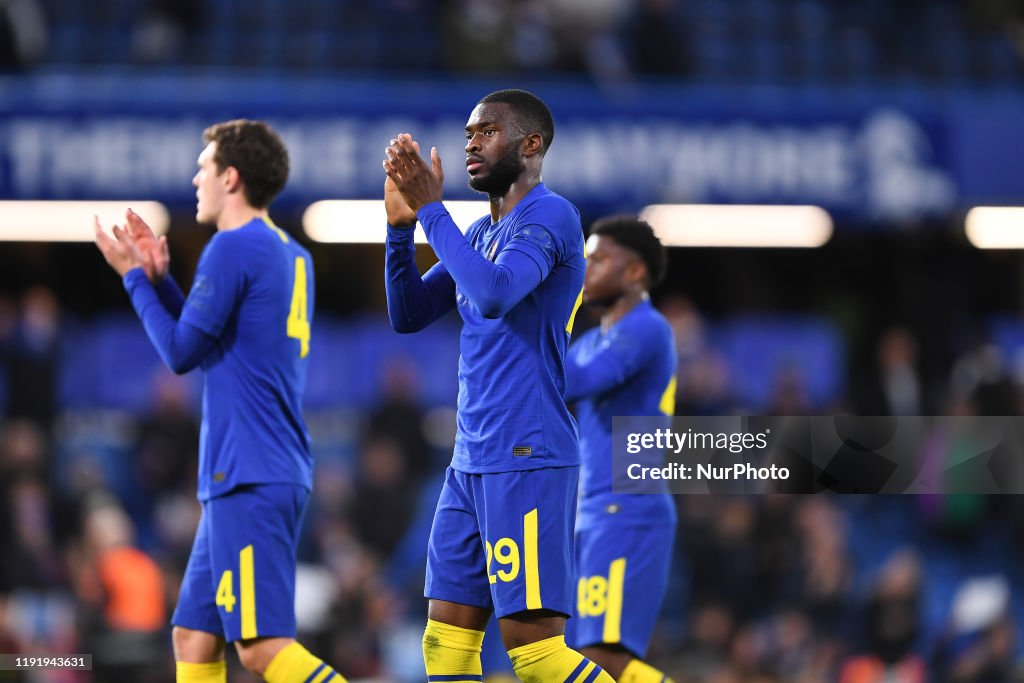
(602, 303)
(503, 173)
(601, 300)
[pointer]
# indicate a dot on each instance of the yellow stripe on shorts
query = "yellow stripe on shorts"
(247, 581)
(613, 613)
(531, 561)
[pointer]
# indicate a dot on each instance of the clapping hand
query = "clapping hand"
(156, 258)
(418, 183)
(121, 252)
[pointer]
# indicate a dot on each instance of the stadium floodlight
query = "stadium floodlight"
(739, 225)
(72, 221)
(995, 227)
(362, 221)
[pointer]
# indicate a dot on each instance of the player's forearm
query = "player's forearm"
(180, 345)
(494, 288)
(410, 308)
(592, 378)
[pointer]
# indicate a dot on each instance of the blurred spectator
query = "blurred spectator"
(827, 575)
(999, 15)
(400, 417)
(122, 580)
(892, 621)
(778, 546)
(703, 375)
(706, 648)
(34, 520)
(475, 35)
(588, 35)
(718, 536)
(350, 640)
(385, 497)
(803, 653)
(789, 393)
(31, 358)
(123, 593)
(981, 380)
(164, 30)
(978, 644)
(895, 389)
(23, 33)
(167, 446)
(748, 649)
(533, 43)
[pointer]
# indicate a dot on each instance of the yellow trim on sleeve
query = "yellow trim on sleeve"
(668, 399)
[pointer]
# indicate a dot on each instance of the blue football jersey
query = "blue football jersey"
(511, 410)
(253, 292)
(639, 353)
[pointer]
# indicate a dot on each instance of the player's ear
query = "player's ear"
(636, 271)
(232, 179)
(532, 144)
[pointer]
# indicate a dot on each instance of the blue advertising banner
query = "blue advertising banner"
(868, 156)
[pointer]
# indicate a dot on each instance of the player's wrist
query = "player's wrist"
(430, 209)
(133, 275)
(401, 233)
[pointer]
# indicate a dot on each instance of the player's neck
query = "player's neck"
(623, 305)
(502, 205)
(236, 216)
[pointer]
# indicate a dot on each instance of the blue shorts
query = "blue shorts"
(240, 579)
(504, 541)
(622, 574)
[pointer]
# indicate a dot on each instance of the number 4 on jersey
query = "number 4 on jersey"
(298, 321)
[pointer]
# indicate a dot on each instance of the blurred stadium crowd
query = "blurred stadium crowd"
(712, 40)
(97, 469)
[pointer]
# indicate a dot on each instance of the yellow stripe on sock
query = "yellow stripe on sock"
(531, 560)
(613, 612)
(247, 579)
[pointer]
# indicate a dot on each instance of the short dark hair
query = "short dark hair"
(637, 235)
(257, 152)
(532, 115)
